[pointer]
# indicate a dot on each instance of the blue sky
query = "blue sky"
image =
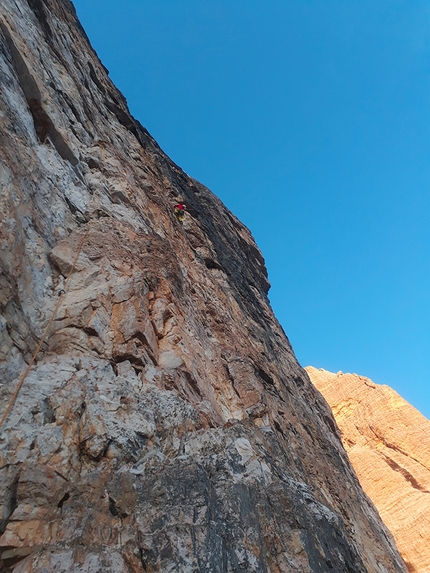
(310, 119)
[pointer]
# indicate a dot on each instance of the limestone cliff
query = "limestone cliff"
(388, 443)
(166, 424)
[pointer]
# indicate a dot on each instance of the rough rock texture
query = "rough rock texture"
(166, 425)
(388, 443)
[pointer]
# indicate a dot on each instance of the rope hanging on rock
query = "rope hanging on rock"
(51, 320)
(45, 334)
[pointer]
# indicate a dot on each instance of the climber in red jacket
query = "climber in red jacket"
(179, 211)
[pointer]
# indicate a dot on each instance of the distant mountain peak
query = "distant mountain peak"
(388, 443)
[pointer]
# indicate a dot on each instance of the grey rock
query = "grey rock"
(165, 424)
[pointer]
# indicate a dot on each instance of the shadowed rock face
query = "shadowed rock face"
(388, 443)
(166, 425)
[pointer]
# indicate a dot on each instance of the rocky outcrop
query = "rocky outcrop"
(388, 443)
(166, 424)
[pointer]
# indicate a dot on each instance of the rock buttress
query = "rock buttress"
(388, 443)
(166, 425)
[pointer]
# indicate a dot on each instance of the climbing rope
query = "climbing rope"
(51, 320)
(45, 334)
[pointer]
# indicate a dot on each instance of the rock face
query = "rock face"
(388, 443)
(166, 424)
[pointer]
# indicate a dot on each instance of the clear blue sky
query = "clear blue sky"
(310, 120)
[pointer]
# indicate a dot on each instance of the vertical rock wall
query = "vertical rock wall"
(166, 424)
(388, 443)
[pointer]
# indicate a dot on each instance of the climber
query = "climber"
(179, 211)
